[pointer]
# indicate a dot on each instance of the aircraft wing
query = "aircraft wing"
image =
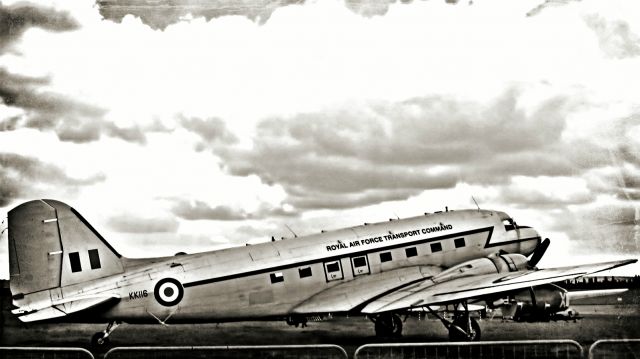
(62, 307)
(477, 286)
(348, 295)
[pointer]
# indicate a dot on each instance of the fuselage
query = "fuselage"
(270, 280)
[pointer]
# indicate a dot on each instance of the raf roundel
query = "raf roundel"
(168, 292)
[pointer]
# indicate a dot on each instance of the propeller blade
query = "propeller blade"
(539, 252)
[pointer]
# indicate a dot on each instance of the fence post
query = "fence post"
(604, 342)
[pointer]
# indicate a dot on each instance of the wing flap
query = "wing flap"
(348, 295)
(428, 292)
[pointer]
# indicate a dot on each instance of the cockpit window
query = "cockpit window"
(509, 224)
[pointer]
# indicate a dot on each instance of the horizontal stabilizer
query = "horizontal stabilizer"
(63, 307)
(42, 314)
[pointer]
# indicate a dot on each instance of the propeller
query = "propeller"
(539, 252)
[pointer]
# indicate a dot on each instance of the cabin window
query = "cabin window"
(385, 257)
(411, 252)
(74, 259)
(94, 259)
(359, 262)
(304, 272)
(333, 267)
(459, 242)
(277, 277)
(436, 247)
(333, 270)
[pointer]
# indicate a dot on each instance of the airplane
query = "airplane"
(63, 270)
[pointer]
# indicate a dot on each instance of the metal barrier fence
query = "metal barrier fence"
(615, 348)
(44, 353)
(531, 349)
(323, 351)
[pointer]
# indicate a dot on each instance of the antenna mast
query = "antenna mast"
(291, 230)
(474, 201)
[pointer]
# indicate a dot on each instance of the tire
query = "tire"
(388, 326)
(456, 336)
(98, 341)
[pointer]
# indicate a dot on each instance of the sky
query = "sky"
(208, 126)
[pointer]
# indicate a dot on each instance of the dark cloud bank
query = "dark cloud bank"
(395, 150)
(356, 156)
(71, 120)
(27, 178)
(42, 109)
(159, 15)
(16, 19)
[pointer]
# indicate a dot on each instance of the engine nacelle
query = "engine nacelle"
(533, 304)
(494, 263)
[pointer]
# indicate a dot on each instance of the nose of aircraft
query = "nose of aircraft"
(530, 239)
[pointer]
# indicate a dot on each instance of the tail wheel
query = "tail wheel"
(464, 329)
(388, 325)
(98, 341)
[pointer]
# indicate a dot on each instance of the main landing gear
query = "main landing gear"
(463, 327)
(387, 325)
(101, 339)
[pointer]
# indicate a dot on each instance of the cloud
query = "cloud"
(359, 155)
(212, 131)
(622, 182)
(159, 16)
(547, 4)
(349, 200)
(16, 19)
(615, 37)
(71, 120)
(22, 91)
(199, 210)
(133, 224)
(33, 105)
(546, 192)
(422, 103)
(28, 177)
(611, 228)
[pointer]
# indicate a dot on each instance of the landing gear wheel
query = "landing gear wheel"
(98, 341)
(388, 325)
(464, 329)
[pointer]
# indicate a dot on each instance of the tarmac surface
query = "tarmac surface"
(600, 322)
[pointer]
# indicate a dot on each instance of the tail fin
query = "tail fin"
(51, 245)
